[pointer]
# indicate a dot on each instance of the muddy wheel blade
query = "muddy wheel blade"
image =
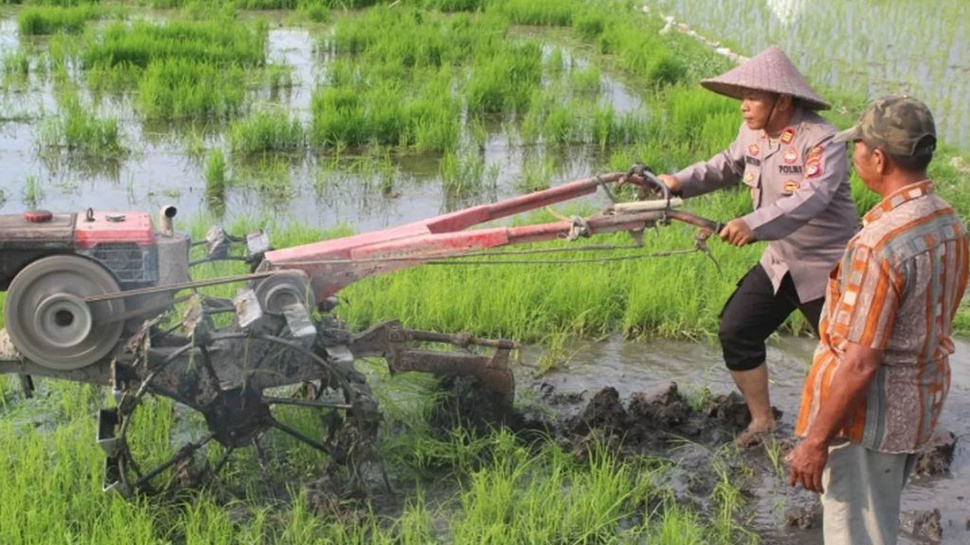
(185, 452)
(297, 435)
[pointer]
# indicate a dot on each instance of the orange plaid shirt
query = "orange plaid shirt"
(896, 290)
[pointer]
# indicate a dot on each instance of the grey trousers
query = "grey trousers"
(863, 487)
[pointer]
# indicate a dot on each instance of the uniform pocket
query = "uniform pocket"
(752, 179)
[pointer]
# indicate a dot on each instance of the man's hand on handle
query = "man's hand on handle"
(737, 233)
(673, 184)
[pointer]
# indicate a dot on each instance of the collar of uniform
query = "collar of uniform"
(791, 129)
(896, 198)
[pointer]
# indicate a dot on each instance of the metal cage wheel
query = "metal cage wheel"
(239, 419)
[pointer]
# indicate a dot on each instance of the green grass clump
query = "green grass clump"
(50, 20)
(361, 110)
(219, 42)
(183, 89)
(505, 81)
(79, 129)
(266, 131)
(538, 12)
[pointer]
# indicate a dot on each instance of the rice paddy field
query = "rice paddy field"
(320, 118)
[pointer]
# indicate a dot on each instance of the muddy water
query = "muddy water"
(638, 366)
(321, 193)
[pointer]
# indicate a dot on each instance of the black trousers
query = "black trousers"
(753, 312)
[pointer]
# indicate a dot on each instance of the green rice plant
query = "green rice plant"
(266, 131)
(675, 523)
(339, 118)
(561, 125)
(465, 173)
(61, 51)
(698, 117)
(538, 12)
(589, 24)
(16, 63)
(317, 13)
(279, 77)
(46, 465)
(219, 42)
(725, 527)
(506, 81)
(586, 80)
(547, 497)
(33, 194)
(215, 175)
(774, 450)
(698, 398)
(536, 174)
(416, 525)
(194, 142)
(51, 20)
(78, 129)
(354, 112)
(185, 89)
(455, 5)
(269, 176)
(266, 4)
(555, 63)
(555, 352)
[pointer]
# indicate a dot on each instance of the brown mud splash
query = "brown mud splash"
(659, 422)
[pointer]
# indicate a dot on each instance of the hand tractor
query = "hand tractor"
(106, 298)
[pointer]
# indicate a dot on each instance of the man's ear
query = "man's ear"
(786, 102)
(879, 161)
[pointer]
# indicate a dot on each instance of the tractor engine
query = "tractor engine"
(52, 262)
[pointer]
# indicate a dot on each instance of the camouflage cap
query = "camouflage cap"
(895, 124)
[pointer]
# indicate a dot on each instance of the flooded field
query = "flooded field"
(362, 191)
(171, 161)
(867, 48)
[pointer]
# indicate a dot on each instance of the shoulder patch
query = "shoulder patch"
(787, 135)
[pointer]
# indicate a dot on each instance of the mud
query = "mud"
(661, 421)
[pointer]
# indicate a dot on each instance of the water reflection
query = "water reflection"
(167, 160)
(787, 11)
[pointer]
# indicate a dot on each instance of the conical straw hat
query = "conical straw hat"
(771, 70)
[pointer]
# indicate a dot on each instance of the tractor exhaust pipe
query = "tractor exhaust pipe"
(166, 225)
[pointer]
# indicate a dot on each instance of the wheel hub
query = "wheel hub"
(237, 417)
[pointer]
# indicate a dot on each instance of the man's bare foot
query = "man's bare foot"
(754, 436)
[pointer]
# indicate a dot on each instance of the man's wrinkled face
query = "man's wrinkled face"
(756, 108)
